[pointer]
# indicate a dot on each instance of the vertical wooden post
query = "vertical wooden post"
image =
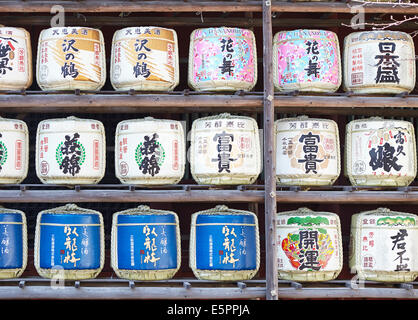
(269, 157)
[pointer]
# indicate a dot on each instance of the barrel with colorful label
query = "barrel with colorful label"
(222, 59)
(225, 149)
(70, 151)
(384, 246)
(379, 62)
(145, 244)
(306, 61)
(13, 243)
(15, 59)
(69, 243)
(307, 151)
(14, 150)
(224, 244)
(71, 58)
(309, 245)
(380, 152)
(144, 58)
(150, 151)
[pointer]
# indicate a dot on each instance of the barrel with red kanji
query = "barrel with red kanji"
(15, 59)
(383, 245)
(71, 58)
(14, 150)
(150, 151)
(222, 59)
(306, 60)
(144, 58)
(70, 151)
(380, 152)
(380, 61)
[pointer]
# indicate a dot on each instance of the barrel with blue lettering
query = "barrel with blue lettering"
(145, 244)
(224, 244)
(13, 243)
(69, 243)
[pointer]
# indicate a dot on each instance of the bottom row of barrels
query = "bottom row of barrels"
(224, 244)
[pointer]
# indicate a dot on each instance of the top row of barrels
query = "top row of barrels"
(220, 59)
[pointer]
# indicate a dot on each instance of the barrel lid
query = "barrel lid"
(386, 212)
(145, 210)
(303, 211)
(223, 209)
(70, 208)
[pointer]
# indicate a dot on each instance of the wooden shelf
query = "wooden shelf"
(109, 288)
(124, 193)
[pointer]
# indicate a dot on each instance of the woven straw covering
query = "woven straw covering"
(71, 58)
(211, 165)
(307, 151)
(383, 245)
(14, 144)
(213, 51)
(57, 271)
(222, 275)
(304, 233)
(81, 138)
(152, 52)
(161, 274)
(18, 68)
(16, 272)
(366, 138)
(364, 69)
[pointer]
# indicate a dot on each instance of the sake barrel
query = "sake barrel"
(224, 244)
(144, 58)
(380, 152)
(306, 60)
(307, 151)
(13, 243)
(309, 245)
(383, 245)
(379, 62)
(150, 151)
(225, 149)
(222, 59)
(71, 58)
(14, 150)
(15, 59)
(70, 151)
(69, 243)
(145, 244)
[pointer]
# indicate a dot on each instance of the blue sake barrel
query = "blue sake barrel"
(13, 243)
(145, 244)
(69, 243)
(224, 244)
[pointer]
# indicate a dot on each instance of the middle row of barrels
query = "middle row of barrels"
(224, 244)
(224, 149)
(220, 59)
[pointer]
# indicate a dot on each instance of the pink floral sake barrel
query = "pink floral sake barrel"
(222, 59)
(306, 60)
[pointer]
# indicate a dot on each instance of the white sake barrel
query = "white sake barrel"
(380, 152)
(309, 245)
(70, 151)
(222, 59)
(307, 61)
(146, 244)
(224, 244)
(15, 59)
(225, 149)
(69, 243)
(307, 151)
(144, 58)
(384, 246)
(14, 150)
(379, 62)
(150, 151)
(71, 58)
